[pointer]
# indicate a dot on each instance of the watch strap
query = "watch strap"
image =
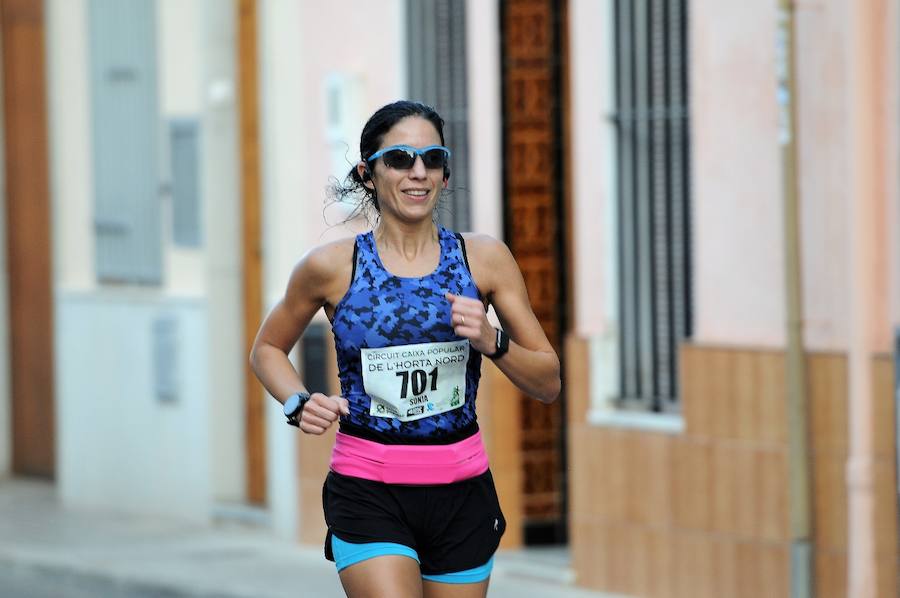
(501, 345)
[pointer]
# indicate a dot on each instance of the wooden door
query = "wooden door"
(248, 72)
(28, 237)
(533, 181)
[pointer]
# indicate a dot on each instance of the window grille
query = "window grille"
(653, 198)
(437, 76)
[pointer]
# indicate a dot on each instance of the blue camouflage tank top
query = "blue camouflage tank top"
(408, 377)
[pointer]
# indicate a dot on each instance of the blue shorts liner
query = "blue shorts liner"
(476, 575)
(347, 553)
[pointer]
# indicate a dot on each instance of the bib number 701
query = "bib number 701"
(419, 379)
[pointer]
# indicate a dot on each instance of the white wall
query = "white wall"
(282, 158)
(180, 84)
(485, 134)
(220, 187)
(181, 26)
(594, 211)
(71, 178)
(118, 446)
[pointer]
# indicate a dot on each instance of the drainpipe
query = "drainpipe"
(798, 446)
(865, 161)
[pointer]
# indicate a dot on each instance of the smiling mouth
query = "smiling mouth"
(418, 193)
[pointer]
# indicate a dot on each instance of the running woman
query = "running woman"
(409, 500)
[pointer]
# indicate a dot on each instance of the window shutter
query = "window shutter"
(125, 144)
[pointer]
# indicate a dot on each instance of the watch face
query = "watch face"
(291, 405)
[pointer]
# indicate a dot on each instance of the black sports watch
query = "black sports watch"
(501, 345)
(293, 407)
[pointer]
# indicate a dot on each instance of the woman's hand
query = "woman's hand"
(469, 320)
(321, 411)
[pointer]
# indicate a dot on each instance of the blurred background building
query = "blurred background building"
(702, 196)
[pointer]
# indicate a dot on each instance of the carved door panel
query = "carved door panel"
(534, 226)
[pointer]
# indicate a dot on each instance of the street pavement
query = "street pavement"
(48, 551)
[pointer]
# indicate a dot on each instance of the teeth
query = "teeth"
(417, 193)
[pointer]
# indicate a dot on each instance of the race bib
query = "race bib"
(410, 382)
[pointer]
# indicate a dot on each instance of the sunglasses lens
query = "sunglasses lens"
(398, 158)
(435, 158)
(402, 158)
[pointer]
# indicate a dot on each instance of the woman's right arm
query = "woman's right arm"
(315, 281)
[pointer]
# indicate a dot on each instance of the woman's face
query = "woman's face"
(408, 194)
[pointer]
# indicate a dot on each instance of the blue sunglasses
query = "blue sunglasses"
(402, 157)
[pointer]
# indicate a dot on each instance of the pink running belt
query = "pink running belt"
(409, 463)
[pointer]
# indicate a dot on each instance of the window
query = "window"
(653, 199)
(184, 141)
(437, 76)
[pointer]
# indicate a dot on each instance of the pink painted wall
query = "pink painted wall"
(823, 139)
(737, 211)
(593, 167)
(357, 38)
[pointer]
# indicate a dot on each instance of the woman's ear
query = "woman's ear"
(362, 169)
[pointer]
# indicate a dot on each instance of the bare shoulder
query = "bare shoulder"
(491, 262)
(322, 270)
(323, 260)
(487, 251)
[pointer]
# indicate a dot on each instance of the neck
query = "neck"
(406, 238)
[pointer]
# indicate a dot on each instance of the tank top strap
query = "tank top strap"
(365, 258)
(452, 250)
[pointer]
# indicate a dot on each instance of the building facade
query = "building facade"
(166, 163)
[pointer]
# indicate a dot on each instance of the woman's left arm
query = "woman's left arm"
(531, 363)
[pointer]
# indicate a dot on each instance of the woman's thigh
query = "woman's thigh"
(389, 576)
(435, 589)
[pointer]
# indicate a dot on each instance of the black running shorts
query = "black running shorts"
(453, 527)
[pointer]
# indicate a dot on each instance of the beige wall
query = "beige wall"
(705, 513)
